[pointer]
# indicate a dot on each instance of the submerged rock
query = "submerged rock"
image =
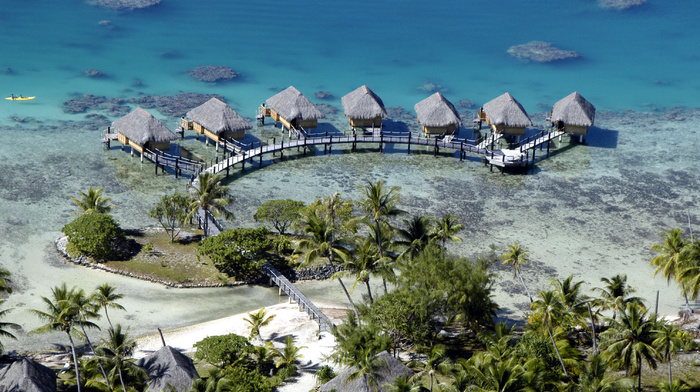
(174, 105)
(327, 109)
(212, 73)
(124, 4)
(430, 87)
(621, 4)
(323, 94)
(465, 103)
(106, 23)
(541, 52)
(93, 73)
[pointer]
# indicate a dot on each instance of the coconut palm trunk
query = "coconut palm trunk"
(556, 349)
(99, 361)
(524, 285)
(75, 359)
(347, 294)
(369, 291)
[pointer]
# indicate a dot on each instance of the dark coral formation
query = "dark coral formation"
(93, 73)
(174, 105)
(465, 103)
(541, 52)
(323, 95)
(212, 73)
(124, 4)
(430, 87)
(327, 109)
(112, 106)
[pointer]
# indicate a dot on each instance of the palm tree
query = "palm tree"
(379, 205)
(436, 361)
(447, 228)
(668, 340)
(689, 276)
(675, 386)
(288, 356)
(593, 378)
(416, 236)
(5, 281)
(669, 260)
(516, 256)
(258, 320)
(615, 295)
(216, 382)
(87, 310)
(62, 316)
(628, 341)
(92, 201)
(549, 310)
(385, 264)
(572, 301)
(210, 196)
(492, 375)
(363, 263)
(3, 326)
(105, 297)
(117, 349)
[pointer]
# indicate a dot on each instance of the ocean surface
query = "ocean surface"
(592, 210)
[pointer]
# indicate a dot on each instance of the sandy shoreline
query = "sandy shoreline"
(288, 320)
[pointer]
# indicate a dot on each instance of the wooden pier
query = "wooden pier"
(285, 286)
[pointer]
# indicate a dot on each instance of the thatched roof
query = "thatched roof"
(27, 375)
(574, 110)
(508, 111)
(390, 369)
(168, 367)
(437, 111)
(218, 117)
(292, 104)
(141, 127)
(363, 103)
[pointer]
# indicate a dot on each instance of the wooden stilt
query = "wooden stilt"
(274, 142)
(409, 143)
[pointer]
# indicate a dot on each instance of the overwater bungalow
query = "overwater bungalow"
(505, 115)
(292, 109)
(363, 108)
(216, 120)
(573, 114)
(437, 115)
(388, 370)
(140, 130)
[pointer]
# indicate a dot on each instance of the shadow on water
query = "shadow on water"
(604, 138)
(395, 126)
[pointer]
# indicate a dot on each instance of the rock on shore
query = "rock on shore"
(124, 4)
(541, 52)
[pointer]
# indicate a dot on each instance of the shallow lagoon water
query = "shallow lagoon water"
(590, 210)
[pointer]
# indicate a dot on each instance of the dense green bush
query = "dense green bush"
(92, 234)
(246, 380)
(225, 350)
(238, 252)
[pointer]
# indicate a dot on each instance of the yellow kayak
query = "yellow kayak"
(19, 98)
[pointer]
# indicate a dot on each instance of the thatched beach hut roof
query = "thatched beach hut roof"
(291, 104)
(27, 375)
(390, 369)
(363, 103)
(437, 111)
(508, 111)
(168, 368)
(218, 117)
(141, 127)
(574, 110)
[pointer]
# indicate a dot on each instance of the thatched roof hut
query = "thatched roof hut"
(573, 114)
(506, 115)
(168, 368)
(139, 129)
(215, 119)
(27, 375)
(363, 108)
(293, 109)
(437, 115)
(390, 369)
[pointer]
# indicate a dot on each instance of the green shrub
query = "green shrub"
(282, 244)
(92, 234)
(238, 252)
(225, 350)
(280, 213)
(246, 380)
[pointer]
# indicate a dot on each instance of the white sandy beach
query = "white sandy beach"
(289, 320)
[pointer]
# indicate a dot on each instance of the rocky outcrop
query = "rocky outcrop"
(621, 4)
(124, 4)
(323, 95)
(212, 73)
(93, 73)
(541, 52)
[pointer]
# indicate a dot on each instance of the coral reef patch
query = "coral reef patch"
(212, 73)
(541, 52)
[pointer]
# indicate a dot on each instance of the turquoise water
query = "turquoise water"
(592, 210)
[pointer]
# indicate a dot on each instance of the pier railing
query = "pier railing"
(276, 277)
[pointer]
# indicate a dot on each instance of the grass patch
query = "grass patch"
(174, 262)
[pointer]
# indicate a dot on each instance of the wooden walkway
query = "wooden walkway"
(462, 145)
(324, 323)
